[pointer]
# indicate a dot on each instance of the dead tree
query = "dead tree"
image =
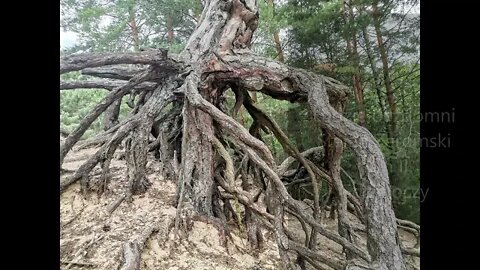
(215, 151)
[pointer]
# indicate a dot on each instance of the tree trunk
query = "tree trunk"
(134, 27)
(196, 180)
(294, 126)
(393, 127)
(276, 37)
(376, 78)
(351, 40)
(136, 156)
(217, 57)
(381, 222)
(333, 155)
(111, 115)
(170, 33)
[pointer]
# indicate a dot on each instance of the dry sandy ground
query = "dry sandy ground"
(93, 239)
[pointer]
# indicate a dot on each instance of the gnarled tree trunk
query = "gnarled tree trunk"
(217, 58)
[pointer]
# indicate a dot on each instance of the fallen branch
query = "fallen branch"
(78, 263)
(72, 219)
(115, 204)
(132, 249)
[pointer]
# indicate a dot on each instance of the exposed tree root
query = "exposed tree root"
(86, 168)
(87, 264)
(132, 249)
(115, 204)
(118, 73)
(95, 113)
(217, 162)
(411, 251)
(82, 251)
(64, 132)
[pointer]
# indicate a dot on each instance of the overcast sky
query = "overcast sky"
(67, 38)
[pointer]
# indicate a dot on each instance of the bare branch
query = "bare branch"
(272, 78)
(103, 84)
(86, 60)
(282, 169)
(114, 72)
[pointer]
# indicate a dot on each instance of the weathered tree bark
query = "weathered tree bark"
(197, 160)
(103, 84)
(216, 58)
(113, 72)
(110, 117)
(87, 60)
(381, 222)
(333, 155)
(137, 144)
(132, 249)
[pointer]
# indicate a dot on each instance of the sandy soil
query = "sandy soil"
(93, 238)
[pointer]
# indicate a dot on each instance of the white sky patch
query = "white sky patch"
(67, 39)
(105, 21)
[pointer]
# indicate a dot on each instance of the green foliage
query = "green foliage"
(318, 33)
(75, 105)
(110, 25)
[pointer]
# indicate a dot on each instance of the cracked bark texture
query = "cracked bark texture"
(216, 58)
